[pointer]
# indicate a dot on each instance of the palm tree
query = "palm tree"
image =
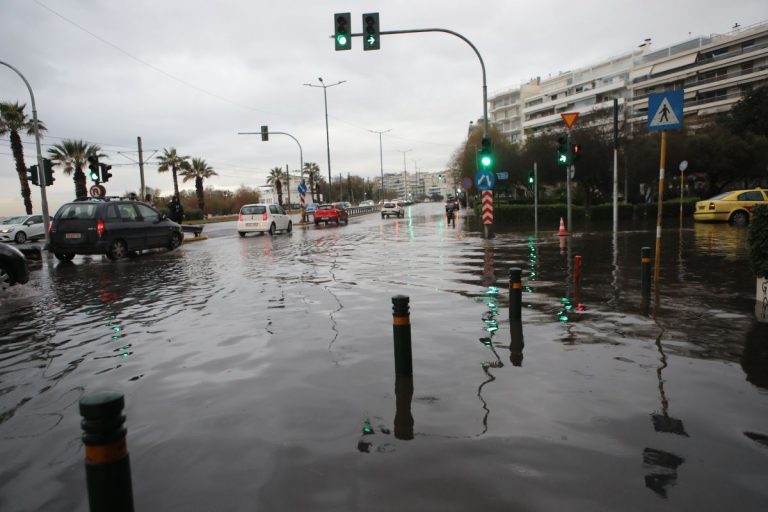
(72, 155)
(12, 121)
(312, 170)
(199, 171)
(171, 160)
(274, 179)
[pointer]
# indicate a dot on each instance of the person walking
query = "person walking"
(175, 211)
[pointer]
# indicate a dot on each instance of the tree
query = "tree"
(12, 121)
(312, 170)
(274, 179)
(750, 114)
(199, 171)
(170, 160)
(72, 155)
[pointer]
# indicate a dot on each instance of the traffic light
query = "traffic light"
(264, 133)
(531, 179)
(575, 152)
(486, 156)
(371, 31)
(563, 155)
(48, 170)
(343, 31)
(105, 174)
(33, 176)
(93, 165)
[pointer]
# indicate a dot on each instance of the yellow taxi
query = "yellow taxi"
(734, 206)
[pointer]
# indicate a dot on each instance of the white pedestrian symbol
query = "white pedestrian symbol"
(665, 115)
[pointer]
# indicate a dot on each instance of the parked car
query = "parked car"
(115, 228)
(734, 206)
(335, 212)
(310, 208)
(390, 208)
(263, 218)
(13, 267)
(22, 228)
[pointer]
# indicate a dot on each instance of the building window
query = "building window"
(747, 45)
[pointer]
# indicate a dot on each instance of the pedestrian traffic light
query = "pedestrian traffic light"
(486, 155)
(48, 170)
(575, 152)
(563, 155)
(33, 176)
(264, 133)
(93, 165)
(371, 31)
(105, 174)
(343, 32)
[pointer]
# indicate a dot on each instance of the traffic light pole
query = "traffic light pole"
(40, 165)
(568, 170)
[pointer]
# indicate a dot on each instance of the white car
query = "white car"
(22, 228)
(390, 208)
(366, 203)
(263, 218)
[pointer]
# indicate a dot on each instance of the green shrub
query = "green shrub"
(195, 214)
(758, 241)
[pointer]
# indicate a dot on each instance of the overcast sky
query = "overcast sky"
(191, 74)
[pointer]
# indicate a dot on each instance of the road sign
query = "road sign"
(97, 191)
(484, 180)
(683, 165)
(466, 183)
(569, 118)
(302, 187)
(487, 206)
(502, 175)
(665, 110)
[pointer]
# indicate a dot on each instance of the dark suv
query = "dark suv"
(116, 228)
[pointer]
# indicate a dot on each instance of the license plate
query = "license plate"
(73, 235)
(251, 224)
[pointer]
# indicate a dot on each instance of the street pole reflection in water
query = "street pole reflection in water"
(516, 342)
(403, 399)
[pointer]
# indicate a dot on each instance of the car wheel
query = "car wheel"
(175, 242)
(382, 215)
(317, 223)
(290, 227)
(272, 229)
(346, 220)
(64, 256)
(6, 278)
(117, 250)
(241, 233)
(338, 221)
(739, 218)
(20, 237)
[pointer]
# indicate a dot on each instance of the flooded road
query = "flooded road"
(258, 372)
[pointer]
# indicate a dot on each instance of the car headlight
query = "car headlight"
(9, 230)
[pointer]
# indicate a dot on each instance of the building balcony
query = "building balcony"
(561, 102)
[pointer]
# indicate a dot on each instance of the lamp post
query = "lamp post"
(381, 161)
(405, 171)
(327, 137)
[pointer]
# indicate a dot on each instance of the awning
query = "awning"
(679, 62)
(637, 73)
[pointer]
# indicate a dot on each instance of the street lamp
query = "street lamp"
(381, 161)
(405, 171)
(327, 138)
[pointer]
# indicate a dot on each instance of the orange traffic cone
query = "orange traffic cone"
(562, 231)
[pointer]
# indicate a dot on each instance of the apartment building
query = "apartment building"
(715, 71)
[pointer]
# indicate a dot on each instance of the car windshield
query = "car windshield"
(78, 211)
(720, 196)
(254, 209)
(325, 207)
(389, 205)
(14, 220)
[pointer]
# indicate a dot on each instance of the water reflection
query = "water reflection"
(720, 239)
(663, 466)
(754, 358)
(516, 343)
(403, 398)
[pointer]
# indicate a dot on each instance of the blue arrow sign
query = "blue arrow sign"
(302, 187)
(665, 110)
(484, 180)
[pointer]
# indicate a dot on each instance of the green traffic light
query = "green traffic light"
(341, 39)
(94, 176)
(486, 161)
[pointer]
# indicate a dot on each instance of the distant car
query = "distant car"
(115, 228)
(310, 208)
(367, 202)
(22, 228)
(735, 206)
(13, 267)
(263, 218)
(391, 208)
(335, 212)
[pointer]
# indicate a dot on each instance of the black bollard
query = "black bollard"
(403, 399)
(645, 271)
(107, 467)
(401, 330)
(515, 293)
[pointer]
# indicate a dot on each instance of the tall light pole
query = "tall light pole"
(381, 161)
(416, 172)
(327, 137)
(405, 170)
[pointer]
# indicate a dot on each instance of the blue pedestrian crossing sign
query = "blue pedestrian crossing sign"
(302, 187)
(484, 180)
(665, 111)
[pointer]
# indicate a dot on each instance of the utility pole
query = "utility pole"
(143, 192)
(405, 172)
(327, 136)
(288, 183)
(381, 163)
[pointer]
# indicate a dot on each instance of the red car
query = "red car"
(331, 213)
